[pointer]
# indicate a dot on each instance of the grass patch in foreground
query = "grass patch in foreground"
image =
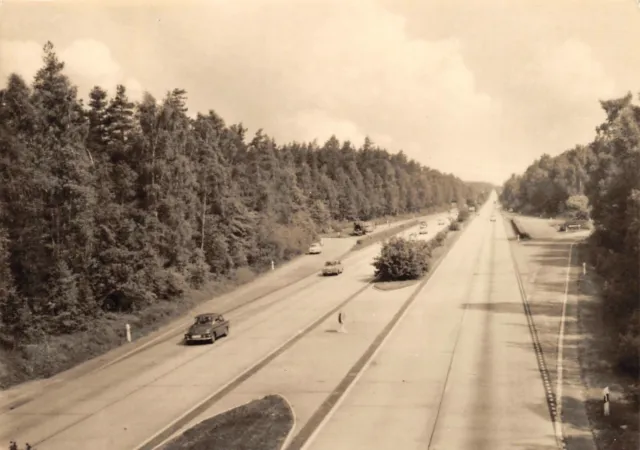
(259, 425)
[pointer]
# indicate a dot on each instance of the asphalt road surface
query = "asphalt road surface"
(458, 372)
(276, 342)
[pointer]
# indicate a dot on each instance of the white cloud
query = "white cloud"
(304, 71)
(87, 62)
(571, 71)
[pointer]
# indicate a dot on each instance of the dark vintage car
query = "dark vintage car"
(207, 327)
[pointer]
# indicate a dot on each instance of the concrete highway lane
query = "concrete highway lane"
(459, 371)
(124, 404)
(273, 282)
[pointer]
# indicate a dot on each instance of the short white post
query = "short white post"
(128, 332)
(518, 236)
(605, 400)
(341, 320)
(273, 266)
(584, 268)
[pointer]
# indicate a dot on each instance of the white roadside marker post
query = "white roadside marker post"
(341, 320)
(273, 266)
(584, 268)
(128, 327)
(606, 405)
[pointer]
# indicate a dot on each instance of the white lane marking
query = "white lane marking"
(355, 380)
(559, 366)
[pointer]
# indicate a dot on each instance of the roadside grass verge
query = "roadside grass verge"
(259, 425)
(598, 360)
(60, 353)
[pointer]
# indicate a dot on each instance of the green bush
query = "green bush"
(401, 259)
(439, 238)
(463, 215)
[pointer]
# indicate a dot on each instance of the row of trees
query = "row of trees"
(115, 206)
(603, 177)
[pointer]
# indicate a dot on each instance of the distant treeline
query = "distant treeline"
(116, 206)
(606, 173)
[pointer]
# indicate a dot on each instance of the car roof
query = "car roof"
(214, 315)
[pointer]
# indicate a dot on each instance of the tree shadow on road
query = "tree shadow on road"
(513, 308)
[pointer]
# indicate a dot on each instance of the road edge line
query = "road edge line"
(407, 306)
(560, 356)
(551, 400)
(252, 369)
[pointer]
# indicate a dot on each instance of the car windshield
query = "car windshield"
(204, 320)
(331, 263)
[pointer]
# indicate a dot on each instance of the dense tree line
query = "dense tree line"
(603, 177)
(115, 206)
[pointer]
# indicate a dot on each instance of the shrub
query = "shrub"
(454, 226)
(401, 259)
(463, 215)
(439, 238)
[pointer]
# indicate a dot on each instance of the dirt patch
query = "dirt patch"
(262, 424)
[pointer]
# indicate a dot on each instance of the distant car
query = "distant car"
(493, 218)
(440, 221)
(315, 249)
(332, 268)
(573, 225)
(207, 327)
(424, 230)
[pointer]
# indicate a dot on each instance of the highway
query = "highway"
(126, 401)
(447, 363)
(458, 372)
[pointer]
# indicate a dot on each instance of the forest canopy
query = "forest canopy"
(600, 180)
(113, 206)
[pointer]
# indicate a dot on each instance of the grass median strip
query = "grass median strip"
(261, 424)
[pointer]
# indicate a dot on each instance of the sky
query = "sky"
(477, 88)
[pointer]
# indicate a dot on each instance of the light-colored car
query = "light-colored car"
(315, 249)
(332, 268)
(493, 218)
(440, 221)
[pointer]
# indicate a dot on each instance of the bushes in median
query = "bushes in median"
(401, 259)
(463, 215)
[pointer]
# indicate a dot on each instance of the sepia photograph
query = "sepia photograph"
(319, 224)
